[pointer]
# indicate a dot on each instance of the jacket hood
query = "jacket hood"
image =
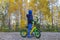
(30, 11)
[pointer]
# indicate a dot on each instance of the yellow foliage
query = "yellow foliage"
(59, 14)
(55, 8)
(11, 1)
(12, 8)
(0, 1)
(23, 23)
(45, 9)
(53, 1)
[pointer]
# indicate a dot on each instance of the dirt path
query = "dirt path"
(16, 36)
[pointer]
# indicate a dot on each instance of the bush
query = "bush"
(50, 28)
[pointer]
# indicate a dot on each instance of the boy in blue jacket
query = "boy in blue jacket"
(30, 19)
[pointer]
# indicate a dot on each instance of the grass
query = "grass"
(50, 28)
(46, 28)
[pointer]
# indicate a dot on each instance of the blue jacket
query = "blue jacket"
(30, 16)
